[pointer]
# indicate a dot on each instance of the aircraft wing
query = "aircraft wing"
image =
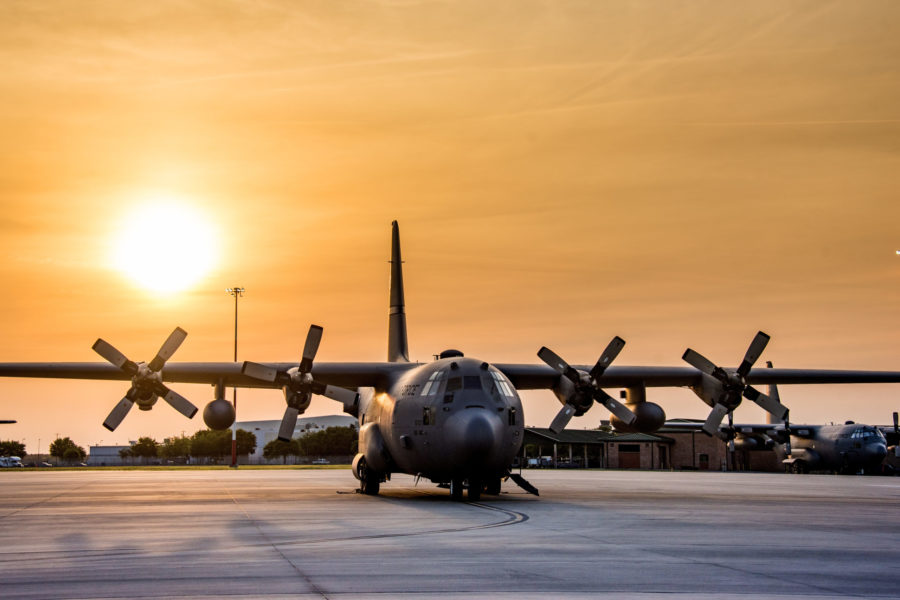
(343, 374)
(533, 377)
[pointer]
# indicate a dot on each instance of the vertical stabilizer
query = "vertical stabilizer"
(398, 349)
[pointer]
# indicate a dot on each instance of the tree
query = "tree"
(213, 445)
(59, 447)
(210, 444)
(145, 448)
(176, 448)
(12, 448)
(246, 442)
(332, 441)
(126, 454)
(278, 448)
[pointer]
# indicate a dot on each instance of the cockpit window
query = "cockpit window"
(862, 433)
(453, 384)
(472, 382)
(501, 384)
(433, 383)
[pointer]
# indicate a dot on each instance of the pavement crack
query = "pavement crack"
(315, 589)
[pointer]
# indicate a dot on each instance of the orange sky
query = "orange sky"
(677, 173)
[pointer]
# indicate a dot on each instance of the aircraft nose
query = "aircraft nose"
(876, 451)
(474, 435)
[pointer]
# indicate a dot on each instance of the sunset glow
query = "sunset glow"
(165, 246)
(681, 174)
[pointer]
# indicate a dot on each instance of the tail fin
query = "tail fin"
(398, 348)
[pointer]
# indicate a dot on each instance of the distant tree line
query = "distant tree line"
(207, 445)
(12, 448)
(332, 441)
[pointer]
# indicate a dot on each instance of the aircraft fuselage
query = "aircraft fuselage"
(453, 419)
(848, 448)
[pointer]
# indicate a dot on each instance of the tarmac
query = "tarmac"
(307, 534)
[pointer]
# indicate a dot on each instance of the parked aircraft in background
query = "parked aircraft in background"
(845, 448)
(458, 420)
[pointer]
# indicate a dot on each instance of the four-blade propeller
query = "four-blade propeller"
(731, 385)
(146, 380)
(587, 388)
(298, 384)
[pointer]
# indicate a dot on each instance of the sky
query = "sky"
(679, 173)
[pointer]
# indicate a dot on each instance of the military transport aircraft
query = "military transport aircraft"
(458, 420)
(846, 448)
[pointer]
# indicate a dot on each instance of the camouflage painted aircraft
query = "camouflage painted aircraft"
(458, 420)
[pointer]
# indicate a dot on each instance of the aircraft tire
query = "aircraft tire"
(370, 486)
(456, 489)
(369, 482)
(474, 490)
(799, 467)
(492, 487)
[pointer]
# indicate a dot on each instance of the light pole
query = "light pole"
(237, 292)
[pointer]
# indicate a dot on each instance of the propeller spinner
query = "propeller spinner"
(298, 384)
(586, 385)
(730, 385)
(146, 380)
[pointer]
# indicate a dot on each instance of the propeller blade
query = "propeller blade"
(896, 428)
(700, 362)
(258, 371)
(611, 352)
(767, 403)
(756, 348)
(310, 348)
(562, 418)
(558, 364)
(167, 349)
(731, 432)
(714, 420)
(106, 350)
(288, 423)
(615, 407)
(346, 397)
(118, 413)
(787, 429)
(179, 402)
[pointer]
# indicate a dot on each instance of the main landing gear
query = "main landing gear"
(475, 487)
(369, 480)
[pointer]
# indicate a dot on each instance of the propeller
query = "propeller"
(586, 385)
(774, 395)
(731, 385)
(298, 384)
(146, 380)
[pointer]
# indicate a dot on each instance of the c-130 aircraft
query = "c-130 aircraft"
(458, 420)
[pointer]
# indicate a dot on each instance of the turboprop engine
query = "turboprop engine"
(649, 417)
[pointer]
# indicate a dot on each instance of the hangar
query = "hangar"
(595, 449)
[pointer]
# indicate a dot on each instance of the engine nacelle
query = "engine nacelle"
(650, 417)
(218, 414)
(744, 442)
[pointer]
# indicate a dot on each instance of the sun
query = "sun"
(165, 245)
